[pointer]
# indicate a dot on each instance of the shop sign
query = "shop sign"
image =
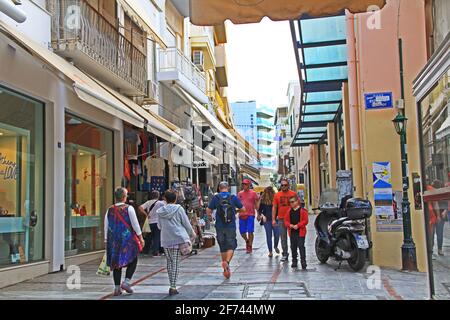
(8, 168)
(381, 100)
(225, 168)
(200, 165)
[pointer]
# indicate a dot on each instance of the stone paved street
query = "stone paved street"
(254, 276)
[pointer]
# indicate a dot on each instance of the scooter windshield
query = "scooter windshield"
(329, 198)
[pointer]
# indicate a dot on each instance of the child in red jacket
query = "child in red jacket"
(296, 222)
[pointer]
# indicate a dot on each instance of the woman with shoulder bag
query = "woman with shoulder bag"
(124, 241)
(177, 236)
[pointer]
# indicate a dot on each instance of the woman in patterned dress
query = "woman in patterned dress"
(124, 241)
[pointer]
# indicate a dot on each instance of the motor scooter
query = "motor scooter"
(341, 230)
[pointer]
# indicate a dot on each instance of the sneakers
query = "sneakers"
(226, 270)
(173, 291)
(127, 287)
(440, 252)
(284, 258)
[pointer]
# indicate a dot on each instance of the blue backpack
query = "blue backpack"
(225, 209)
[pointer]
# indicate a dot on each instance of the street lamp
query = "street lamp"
(409, 259)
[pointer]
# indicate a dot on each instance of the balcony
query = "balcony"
(265, 136)
(266, 150)
(176, 67)
(221, 66)
(262, 122)
(95, 45)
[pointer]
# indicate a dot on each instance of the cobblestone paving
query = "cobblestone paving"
(254, 277)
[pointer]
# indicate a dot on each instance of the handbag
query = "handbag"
(186, 248)
(103, 269)
(146, 227)
(135, 237)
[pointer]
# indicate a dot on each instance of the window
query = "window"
(89, 184)
(21, 179)
(435, 117)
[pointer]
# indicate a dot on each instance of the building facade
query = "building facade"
(120, 100)
(350, 91)
(432, 97)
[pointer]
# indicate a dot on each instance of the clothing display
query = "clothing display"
(154, 167)
(158, 183)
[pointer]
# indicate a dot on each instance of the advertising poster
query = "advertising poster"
(387, 203)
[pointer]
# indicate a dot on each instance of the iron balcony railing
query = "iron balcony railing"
(77, 23)
(171, 59)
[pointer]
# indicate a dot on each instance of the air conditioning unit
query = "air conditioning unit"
(198, 59)
(152, 96)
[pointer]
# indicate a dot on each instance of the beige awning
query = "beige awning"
(214, 12)
(138, 13)
(154, 124)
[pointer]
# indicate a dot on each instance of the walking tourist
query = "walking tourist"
(250, 201)
(296, 221)
(280, 209)
(176, 235)
(265, 216)
(149, 208)
(124, 242)
(226, 206)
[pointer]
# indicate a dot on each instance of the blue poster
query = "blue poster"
(379, 100)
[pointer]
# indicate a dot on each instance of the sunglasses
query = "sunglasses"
(285, 185)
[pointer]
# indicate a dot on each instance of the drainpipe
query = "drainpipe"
(11, 10)
(354, 108)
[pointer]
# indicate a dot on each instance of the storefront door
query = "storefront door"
(89, 184)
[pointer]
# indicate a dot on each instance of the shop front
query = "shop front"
(89, 184)
(432, 91)
(21, 179)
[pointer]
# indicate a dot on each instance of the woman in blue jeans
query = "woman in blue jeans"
(265, 217)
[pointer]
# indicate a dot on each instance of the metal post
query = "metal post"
(409, 258)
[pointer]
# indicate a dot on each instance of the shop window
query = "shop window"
(89, 184)
(21, 179)
(435, 118)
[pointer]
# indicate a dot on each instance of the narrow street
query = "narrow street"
(254, 277)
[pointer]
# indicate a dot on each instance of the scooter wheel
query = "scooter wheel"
(358, 261)
(322, 256)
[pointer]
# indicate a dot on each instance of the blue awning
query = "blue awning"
(321, 43)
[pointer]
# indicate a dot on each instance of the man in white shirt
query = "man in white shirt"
(149, 208)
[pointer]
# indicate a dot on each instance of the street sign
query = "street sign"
(200, 165)
(380, 100)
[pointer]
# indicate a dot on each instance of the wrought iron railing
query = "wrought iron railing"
(77, 23)
(171, 59)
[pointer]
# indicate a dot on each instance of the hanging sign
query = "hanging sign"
(200, 165)
(380, 100)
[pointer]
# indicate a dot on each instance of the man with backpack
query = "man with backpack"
(226, 206)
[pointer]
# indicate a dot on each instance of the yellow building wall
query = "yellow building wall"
(315, 175)
(346, 116)
(332, 165)
(378, 71)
